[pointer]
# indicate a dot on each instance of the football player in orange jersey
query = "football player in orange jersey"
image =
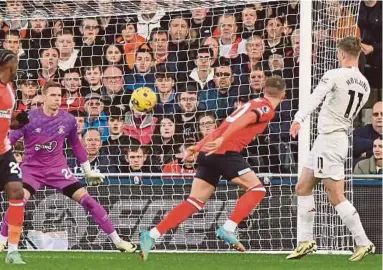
(219, 156)
(10, 180)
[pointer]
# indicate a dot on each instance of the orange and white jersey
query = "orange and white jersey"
(7, 103)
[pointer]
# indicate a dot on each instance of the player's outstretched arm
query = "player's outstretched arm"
(92, 177)
(325, 85)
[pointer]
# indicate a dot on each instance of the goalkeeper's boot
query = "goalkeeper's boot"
(14, 258)
(125, 246)
(230, 238)
(303, 249)
(146, 244)
(361, 252)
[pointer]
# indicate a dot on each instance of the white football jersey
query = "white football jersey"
(345, 91)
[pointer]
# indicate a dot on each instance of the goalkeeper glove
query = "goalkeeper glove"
(22, 118)
(93, 178)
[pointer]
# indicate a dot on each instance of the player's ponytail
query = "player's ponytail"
(6, 56)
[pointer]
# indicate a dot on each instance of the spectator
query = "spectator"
(159, 43)
(95, 115)
(226, 33)
(186, 119)
(29, 87)
(141, 75)
(275, 43)
(113, 90)
(365, 136)
(213, 44)
(149, 17)
(135, 161)
(374, 164)
(165, 141)
(12, 42)
(220, 99)
(99, 161)
(14, 17)
(178, 166)
(255, 48)
(80, 120)
(250, 23)
(49, 69)
(68, 55)
(18, 151)
(114, 56)
(207, 122)
(130, 39)
(140, 126)
(203, 74)
(38, 34)
(178, 34)
(90, 42)
(37, 102)
(71, 83)
(201, 24)
(108, 24)
(370, 25)
(117, 143)
(92, 76)
(166, 93)
(256, 82)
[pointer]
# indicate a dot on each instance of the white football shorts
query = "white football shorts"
(328, 155)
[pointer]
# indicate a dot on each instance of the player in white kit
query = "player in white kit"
(345, 91)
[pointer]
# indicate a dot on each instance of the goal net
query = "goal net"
(203, 59)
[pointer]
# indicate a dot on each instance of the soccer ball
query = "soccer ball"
(143, 99)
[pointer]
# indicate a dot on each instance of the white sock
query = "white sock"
(12, 247)
(154, 233)
(114, 237)
(230, 225)
(306, 215)
(3, 238)
(351, 219)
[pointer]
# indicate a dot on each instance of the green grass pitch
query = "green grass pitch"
(192, 261)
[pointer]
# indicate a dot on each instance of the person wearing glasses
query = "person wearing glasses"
(220, 99)
(91, 42)
(203, 73)
(206, 123)
(28, 90)
(113, 82)
(364, 136)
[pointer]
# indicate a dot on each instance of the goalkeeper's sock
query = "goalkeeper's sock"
(306, 215)
(98, 213)
(15, 223)
(176, 216)
(245, 205)
(351, 219)
(4, 224)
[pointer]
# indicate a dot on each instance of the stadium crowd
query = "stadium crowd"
(202, 64)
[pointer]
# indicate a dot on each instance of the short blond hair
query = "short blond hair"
(350, 45)
(275, 85)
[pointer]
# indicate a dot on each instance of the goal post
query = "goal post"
(138, 201)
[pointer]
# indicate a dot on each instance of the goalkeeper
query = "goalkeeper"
(46, 165)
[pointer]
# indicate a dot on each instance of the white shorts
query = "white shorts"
(328, 155)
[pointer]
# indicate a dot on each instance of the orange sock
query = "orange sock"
(15, 221)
